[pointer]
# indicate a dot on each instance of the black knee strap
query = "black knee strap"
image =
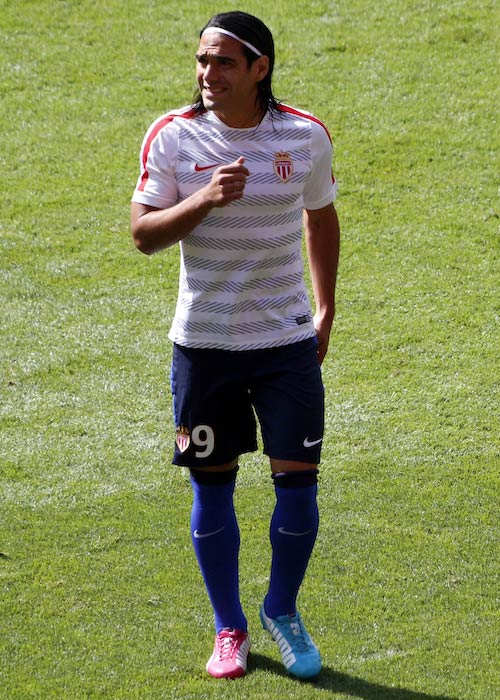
(296, 479)
(204, 476)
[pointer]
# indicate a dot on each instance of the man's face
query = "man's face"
(228, 85)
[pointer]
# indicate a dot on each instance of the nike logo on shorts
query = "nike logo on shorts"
(311, 443)
(201, 535)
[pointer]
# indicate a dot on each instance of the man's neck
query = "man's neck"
(242, 121)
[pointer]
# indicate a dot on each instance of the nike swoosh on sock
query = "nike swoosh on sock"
(283, 531)
(201, 535)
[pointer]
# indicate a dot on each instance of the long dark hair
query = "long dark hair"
(253, 30)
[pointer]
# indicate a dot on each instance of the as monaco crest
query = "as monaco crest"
(283, 165)
(182, 438)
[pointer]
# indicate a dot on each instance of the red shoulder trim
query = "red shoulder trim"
(157, 127)
(305, 115)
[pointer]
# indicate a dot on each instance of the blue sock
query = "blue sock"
(216, 541)
(294, 526)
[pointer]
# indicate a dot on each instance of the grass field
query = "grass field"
(100, 596)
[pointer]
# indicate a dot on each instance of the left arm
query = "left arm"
(322, 235)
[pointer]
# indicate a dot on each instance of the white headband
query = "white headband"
(233, 36)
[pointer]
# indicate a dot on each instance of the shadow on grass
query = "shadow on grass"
(343, 683)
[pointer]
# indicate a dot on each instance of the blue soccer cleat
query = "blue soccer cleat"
(300, 655)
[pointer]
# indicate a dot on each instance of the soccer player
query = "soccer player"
(236, 178)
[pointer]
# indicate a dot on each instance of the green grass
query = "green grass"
(100, 596)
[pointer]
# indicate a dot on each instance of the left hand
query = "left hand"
(323, 328)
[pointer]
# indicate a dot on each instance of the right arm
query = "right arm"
(154, 229)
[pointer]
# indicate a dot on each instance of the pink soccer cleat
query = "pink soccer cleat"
(229, 658)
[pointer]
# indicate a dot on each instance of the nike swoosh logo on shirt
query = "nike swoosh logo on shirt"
(201, 535)
(201, 168)
(282, 531)
(311, 443)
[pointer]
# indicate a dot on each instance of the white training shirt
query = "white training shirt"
(241, 284)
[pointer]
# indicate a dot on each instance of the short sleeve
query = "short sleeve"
(321, 187)
(157, 185)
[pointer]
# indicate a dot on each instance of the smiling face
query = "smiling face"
(228, 84)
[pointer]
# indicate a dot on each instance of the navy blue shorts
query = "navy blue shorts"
(219, 395)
